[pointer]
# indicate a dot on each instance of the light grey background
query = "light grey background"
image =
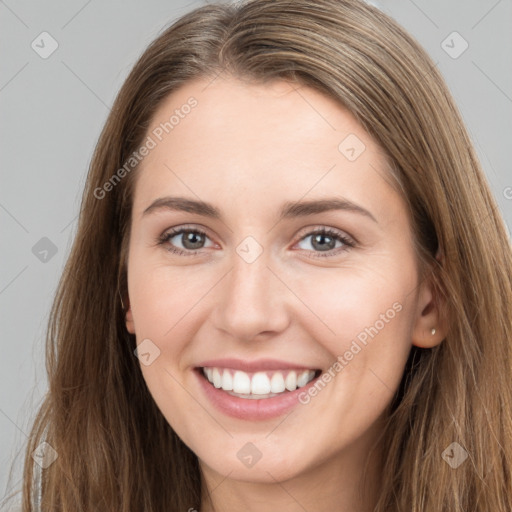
(52, 111)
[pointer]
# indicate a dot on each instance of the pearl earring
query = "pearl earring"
(433, 331)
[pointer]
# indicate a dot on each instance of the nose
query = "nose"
(252, 301)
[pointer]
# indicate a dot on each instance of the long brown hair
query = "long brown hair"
(115, 449)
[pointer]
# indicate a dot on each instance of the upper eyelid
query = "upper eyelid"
(320, 227)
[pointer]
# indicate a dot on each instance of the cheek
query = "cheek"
(163, 305)
(344, 302)
(363, 319)
(160, 297)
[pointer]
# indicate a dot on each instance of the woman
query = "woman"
(290, 286)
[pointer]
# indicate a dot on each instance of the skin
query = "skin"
(247, 149)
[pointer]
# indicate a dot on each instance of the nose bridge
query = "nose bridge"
(250, 301)
(249, 279)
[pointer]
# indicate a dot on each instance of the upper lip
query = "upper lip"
(254, 366)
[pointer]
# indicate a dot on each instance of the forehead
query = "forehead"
(258, 142)
(234, 113)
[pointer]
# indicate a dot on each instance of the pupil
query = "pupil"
(189, 240)
(321, 237)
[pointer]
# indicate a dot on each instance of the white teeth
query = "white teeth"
(303, 378)
(260, 384)
(257, 385)
(291, 381)
(277, 383)
(241, 383)
(227, 381)
(217, 378)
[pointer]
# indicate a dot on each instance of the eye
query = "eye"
(191, 239)
(324, 240)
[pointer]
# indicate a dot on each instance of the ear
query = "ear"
(130, 325)
(430, 314)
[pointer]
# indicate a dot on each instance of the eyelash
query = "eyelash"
(348, 243)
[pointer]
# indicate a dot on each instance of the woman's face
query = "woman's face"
(298, 260)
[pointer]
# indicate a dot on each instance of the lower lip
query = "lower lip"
(251, 409)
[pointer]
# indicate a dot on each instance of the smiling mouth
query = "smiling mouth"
(257, 385)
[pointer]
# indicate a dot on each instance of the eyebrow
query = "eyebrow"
(289, 209)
